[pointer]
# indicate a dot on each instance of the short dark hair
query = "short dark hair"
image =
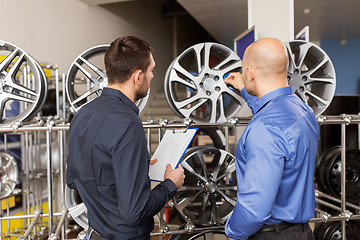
(124, 56)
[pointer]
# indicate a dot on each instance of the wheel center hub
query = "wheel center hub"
(210, 187)
(209, 84)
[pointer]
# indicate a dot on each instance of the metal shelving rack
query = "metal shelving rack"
(59, 125)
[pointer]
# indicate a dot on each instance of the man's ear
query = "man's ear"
(251, 73)
(136, 76)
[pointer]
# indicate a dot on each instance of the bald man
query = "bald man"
(275, 156)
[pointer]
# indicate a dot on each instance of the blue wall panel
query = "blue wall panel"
(346, 60)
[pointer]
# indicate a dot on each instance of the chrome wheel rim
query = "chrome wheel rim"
(312, 74)
(208, 195)
(76, 207)
(9, 174)
(194, 84)
(86, 78)
(21, 83)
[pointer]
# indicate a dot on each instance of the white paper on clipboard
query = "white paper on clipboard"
(170, 150)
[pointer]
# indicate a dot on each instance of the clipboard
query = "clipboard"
(171, 149)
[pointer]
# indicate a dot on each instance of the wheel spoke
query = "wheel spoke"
(207, 55)
(20, 88)
(220, 163)
(230, 169)
(322, 63)
(292, 64)
(18, 98)
(304, 48)
(87, 74)
(234, 95)
(86, 94)
(11, 161)
(188, 101)
(233, 66)
(187, 112)
(174, 77)
(320, 101)
(200, 155)
(190, 188)
(186, 201)
(324, 80)
(77, 210)
(197, 50)
(214, 210)
(7, 61)
(93, 67)
(15, 68)
(185, 165)
(232, 57)
(227, 187)
(183, 71)
(203, 207)
(227, 198)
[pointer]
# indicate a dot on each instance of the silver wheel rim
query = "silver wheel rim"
(312, 74)
(208, 195)
(9, 174)
(86, 78)
(20, 81)
(194, 84)
(77, 209)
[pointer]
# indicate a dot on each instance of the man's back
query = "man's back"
(108, 165)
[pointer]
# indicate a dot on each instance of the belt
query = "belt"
(93, 235)
(278, 226)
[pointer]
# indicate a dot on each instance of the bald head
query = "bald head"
(265, 66)
(268, 56)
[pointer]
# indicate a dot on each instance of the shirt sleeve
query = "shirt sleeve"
(250, 99)
(265, 150)
(130, 159)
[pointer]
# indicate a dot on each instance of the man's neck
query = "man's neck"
(270, 86)
(126, 90)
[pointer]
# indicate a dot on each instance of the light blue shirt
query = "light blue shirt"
(275, 160)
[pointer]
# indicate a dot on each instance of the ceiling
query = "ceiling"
(327, 19)
(226, 19)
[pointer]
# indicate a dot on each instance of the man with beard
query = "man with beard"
(108, 161)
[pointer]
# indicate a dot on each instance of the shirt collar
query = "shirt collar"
(117, 93)
(261, 102)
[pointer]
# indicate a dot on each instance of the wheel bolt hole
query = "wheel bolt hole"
(296, 71)
(216, 78)
(201, 84)
(208, 93)
(301, 89)
(206, 75)
(217, 89)
(304, 78)
(288, 78)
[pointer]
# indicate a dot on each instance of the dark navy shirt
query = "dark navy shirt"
(108, 164)
(275, 160)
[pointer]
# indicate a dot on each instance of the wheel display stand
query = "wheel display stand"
(347, 211)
